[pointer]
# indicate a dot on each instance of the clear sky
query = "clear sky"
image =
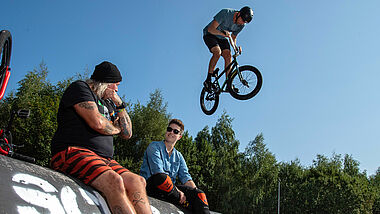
(320, 62)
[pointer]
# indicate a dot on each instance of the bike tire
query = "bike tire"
(209, 101)
(253, 81)
(5, 56)
(5, 47)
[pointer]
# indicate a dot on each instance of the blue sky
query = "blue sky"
(319, 59)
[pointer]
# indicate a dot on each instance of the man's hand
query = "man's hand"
(226, 33)
(123, 122)
(111, 93)
(182, 197)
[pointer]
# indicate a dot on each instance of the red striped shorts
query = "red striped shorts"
(84, 164)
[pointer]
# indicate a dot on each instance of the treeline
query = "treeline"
(235, 182)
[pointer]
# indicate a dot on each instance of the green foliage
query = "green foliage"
(42, 98)
(260, 176)
(234, 182)
(331, 185)
(148, 124)
(189, 150)
(291, 177)
(375, 184)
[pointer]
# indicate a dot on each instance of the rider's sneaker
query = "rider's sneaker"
(207, 84)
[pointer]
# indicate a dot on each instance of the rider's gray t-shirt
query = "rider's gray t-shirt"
(225, 18)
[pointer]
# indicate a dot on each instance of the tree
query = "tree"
(261, 176)
(42, 98)
(292, 177)
(188, 149)
(375, 184)
(148, 124)
(221, 171)
(329, 189)
(206, 160)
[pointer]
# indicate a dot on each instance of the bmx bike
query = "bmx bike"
(6, 145)
(243, 83)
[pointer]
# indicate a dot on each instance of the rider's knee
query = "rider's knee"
(158, 178)
(216, 52)
(161, 181)
(198, 191)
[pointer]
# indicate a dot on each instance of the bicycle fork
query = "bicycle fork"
(242, 80)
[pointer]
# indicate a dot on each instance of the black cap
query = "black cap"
(106, 72)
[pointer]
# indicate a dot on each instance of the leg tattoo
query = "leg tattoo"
(137, 198)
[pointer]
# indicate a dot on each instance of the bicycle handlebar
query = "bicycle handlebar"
(22, 157)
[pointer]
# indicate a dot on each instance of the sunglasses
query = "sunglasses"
(170, 129)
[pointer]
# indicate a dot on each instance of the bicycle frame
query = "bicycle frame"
(232, 67)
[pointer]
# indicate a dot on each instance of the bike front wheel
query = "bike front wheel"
(209, 101)
(5, 56)
(246, 85)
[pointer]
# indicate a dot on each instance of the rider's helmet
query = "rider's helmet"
(246, 13)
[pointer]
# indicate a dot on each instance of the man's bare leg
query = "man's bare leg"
(216, 53)
(226, 54)
(111, 185)
(135, 187)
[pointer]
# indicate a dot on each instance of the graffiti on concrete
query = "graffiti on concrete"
(39, 193)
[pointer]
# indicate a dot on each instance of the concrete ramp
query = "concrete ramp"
(27, 188)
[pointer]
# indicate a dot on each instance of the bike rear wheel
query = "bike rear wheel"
(5, 56)
(246, 87)
(209, 101)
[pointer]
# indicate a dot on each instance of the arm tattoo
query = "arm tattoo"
(125, 124)
(137, 198)
(86, 105)
(109, 129)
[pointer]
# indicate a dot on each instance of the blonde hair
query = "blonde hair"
(98, 87)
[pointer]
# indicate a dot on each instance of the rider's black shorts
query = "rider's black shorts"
(212, 41)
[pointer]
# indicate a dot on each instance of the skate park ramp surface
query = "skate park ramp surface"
(27, 188)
